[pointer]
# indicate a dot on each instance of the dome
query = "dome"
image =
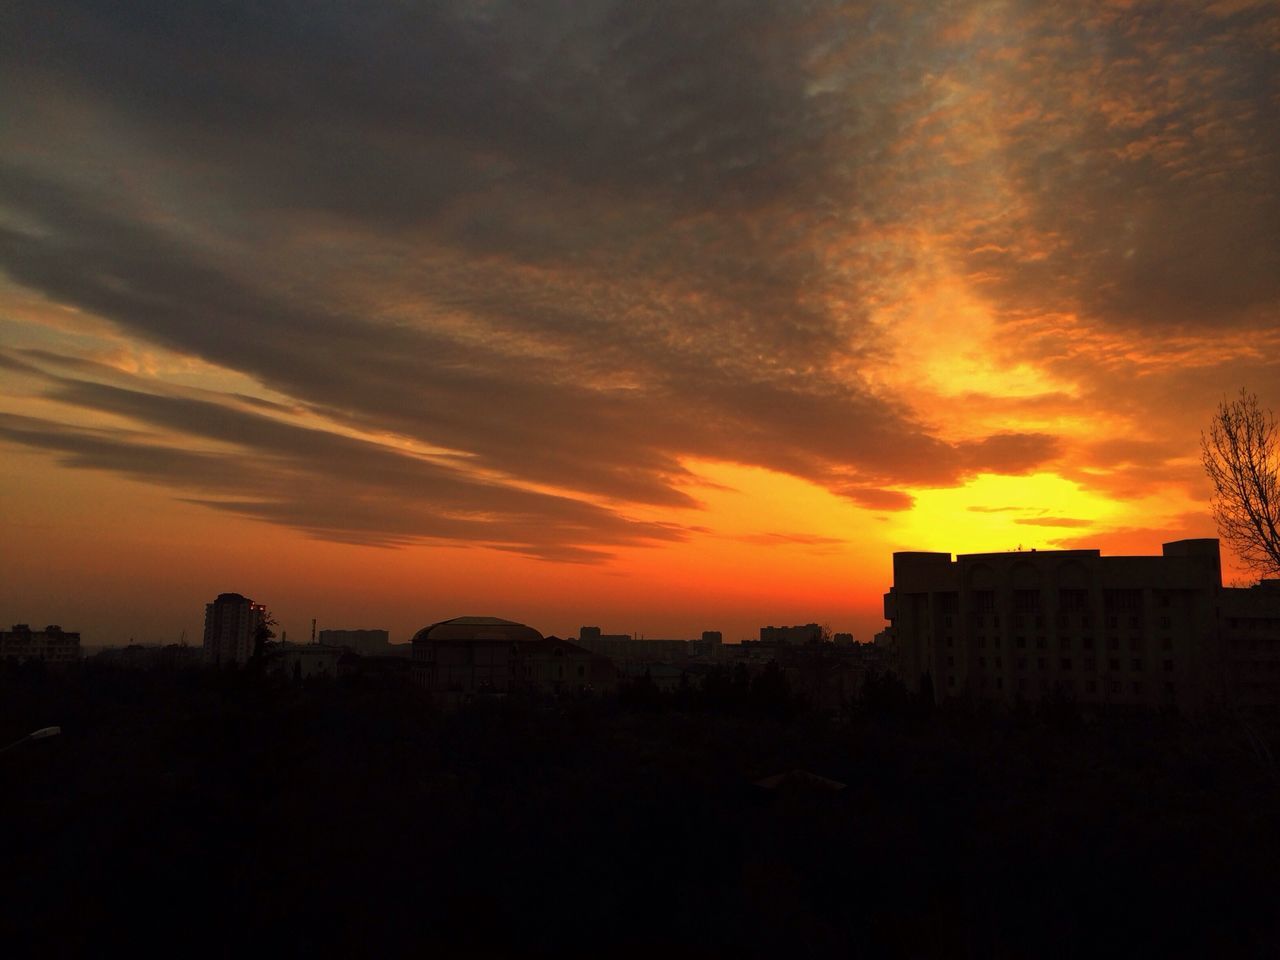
(477, 628)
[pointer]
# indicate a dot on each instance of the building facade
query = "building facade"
(1140, 631)
(231, 623)
(808, 633)
(466, 658)
(52, 645)
(1250, 625)
(367, 643)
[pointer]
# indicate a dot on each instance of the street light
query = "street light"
(42, 734)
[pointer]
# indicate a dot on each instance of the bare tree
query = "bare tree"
(1241, 454)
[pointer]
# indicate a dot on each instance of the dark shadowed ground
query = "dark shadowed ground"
(219, 813)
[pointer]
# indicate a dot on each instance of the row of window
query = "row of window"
(1064, 642)
(1089, 664)
(1091, 687)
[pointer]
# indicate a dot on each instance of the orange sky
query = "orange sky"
(633, 315)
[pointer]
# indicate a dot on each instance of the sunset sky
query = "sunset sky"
(664, 316)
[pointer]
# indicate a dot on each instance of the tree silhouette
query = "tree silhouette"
(1241, 455)
(261, 634)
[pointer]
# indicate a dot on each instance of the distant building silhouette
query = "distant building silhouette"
(1140, 630)
(809, 633)
(635, 656)
(367, 643)
(52, 645)
(230, 623)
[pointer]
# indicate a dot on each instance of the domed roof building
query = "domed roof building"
(465, 658)
(477, 628)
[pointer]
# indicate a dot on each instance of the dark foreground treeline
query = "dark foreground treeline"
(200, 812)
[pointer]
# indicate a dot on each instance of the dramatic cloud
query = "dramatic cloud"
(498, 273)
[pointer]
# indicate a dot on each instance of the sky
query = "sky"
(657, 316)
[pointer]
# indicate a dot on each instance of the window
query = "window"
(1136, 665)
(1021, 643)
(948, 641)
(1026, 601)
(999, 683)
(1137, 686)
(1041, 664)
(1040, 643)
(982, 662)
(1087, 643)
(1091, 686)
(1073, 601)
(1113, 664)
(1164, 623)
(1115, 686)
(1113, 643)
(1168, 666)
(951, 661)
(1166, 643)
(1022, 663)
(1090, 664)
(951, 681)
(1065, 663)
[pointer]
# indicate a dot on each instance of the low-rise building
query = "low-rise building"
(808, 633)
(52, 645)
(366, 643)
(304, 661)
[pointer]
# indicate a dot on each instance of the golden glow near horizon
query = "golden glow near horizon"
(599, 326)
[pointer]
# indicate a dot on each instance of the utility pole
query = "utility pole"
(313, 629)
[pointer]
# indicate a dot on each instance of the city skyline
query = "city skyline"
(659, 317)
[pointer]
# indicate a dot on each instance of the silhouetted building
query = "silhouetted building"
(843, 639)
(52, 645)
(626, 650)
(1250, 624)
(809, 633)
(230, 625)
(467, 657)
(1024, 625)
(367, 643)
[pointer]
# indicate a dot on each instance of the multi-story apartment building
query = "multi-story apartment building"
(52, 645)
(1110, 630)
(230, 625)
(1250, 627)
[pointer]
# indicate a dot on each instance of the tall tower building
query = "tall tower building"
(230, 623)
